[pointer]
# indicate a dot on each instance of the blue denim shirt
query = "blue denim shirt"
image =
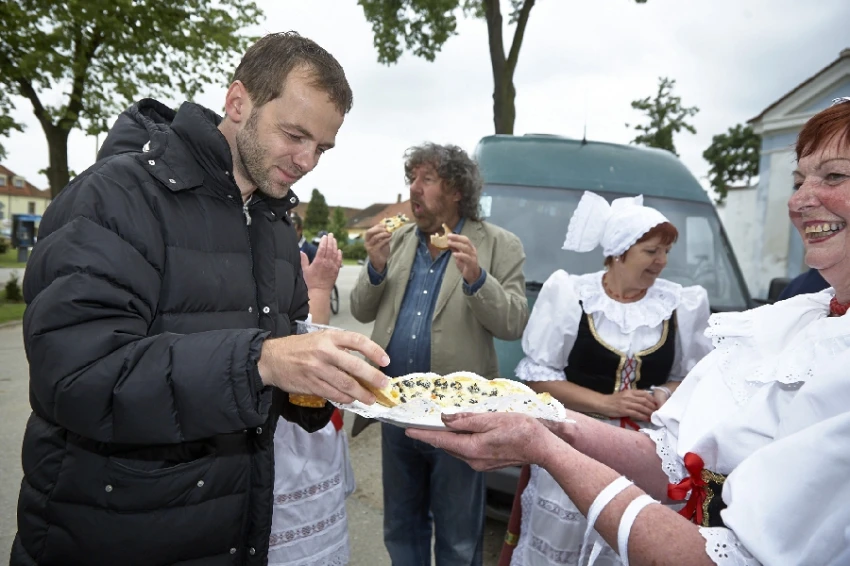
(410, 346)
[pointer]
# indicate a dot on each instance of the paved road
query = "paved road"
(365, 506)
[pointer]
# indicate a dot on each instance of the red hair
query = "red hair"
(823, 128)
(666, 231)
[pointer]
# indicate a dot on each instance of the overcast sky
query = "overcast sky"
(582, 60)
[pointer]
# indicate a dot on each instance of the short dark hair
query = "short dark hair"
(457, 170)
(266, 65)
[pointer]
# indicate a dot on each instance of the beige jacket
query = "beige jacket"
(463, 327)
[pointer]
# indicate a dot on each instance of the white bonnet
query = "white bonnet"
(616, 226)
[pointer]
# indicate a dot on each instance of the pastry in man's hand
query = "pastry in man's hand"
(441, 242)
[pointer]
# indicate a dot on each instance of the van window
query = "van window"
(540, 216)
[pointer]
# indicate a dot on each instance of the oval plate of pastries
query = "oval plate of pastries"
(416, 400)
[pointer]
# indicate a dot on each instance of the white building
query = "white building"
(756, 218)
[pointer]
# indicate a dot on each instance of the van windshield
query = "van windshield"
(540, 216)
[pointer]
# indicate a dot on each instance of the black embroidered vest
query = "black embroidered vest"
(598, 366)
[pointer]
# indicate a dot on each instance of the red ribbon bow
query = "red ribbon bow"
(695, 484)
(627, 422)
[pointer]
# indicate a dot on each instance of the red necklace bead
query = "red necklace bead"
(614, 295)
(836, 308)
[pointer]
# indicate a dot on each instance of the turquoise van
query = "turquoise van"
(532, 185)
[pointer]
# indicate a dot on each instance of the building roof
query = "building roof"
(383, 211)
(28, 190)
(845, 54)
(366, 214)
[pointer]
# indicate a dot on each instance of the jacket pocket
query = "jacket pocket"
(146, 484)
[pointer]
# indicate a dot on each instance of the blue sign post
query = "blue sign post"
(24, 233)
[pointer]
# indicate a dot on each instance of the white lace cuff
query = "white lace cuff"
(724, 548)
(529, 370)
(670, 461)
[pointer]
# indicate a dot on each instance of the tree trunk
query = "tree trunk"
(57, 172)
(504, 92)
(504, 108)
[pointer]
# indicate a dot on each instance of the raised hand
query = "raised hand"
(377, 242)
(322, 273)
(466, 257)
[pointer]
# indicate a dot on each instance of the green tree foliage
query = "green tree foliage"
(734, 158)
(666, 116)
(13, 290)
(317, 213)
(423, 27)
(101, 54)
(337, 226)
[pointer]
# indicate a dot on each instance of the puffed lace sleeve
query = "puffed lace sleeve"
(692, 344)
(551, 331)
(788, 501)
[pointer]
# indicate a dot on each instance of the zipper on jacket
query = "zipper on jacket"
(248, 527)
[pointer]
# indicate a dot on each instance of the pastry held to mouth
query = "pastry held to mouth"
(820, 230)
(441, 242)
(395, 222)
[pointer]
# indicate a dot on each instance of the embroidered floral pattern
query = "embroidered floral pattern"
(779, 345)
(724, 549)
(552, 507)
(554, 555)
(307, 530)
(308, 492)
(670, 462)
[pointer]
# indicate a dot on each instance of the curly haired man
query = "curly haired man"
(438, 310)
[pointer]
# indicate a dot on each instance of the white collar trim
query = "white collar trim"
(654, 308)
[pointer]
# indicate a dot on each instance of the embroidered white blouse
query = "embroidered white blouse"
(628, 327)
(770, 408)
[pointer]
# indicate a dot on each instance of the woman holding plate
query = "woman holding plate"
(755, 439)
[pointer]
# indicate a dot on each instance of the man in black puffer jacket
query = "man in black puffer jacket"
(160, 301)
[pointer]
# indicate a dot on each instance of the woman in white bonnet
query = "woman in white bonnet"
(612, 344)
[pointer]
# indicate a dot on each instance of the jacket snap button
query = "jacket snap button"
(151, 162)
(172, 181)
(259, 430)
(292, 200)
(200, 483)
(250, 309)
(108, 489)
(251, 551)
(232, 551)
(266, 310)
